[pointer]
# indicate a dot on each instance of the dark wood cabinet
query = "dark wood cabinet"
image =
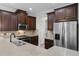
(34, 40)
(71, 12)
(59, 14)
(30, 39)
(51, 18)
(31, 23)
(13, 23)
(48, 43)
(5, 21)
(8, 21)
(21, 16)
(29, 20)
(67, 13)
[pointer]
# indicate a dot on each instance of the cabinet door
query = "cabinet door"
(31, 23)
(13, 23)
(21, 18)
(67, 13)
(71, 12)
(60, 14)
(5, 21)
(51, 17)
(48, 43)
(34, 23)
(71, 35)
(34, 40)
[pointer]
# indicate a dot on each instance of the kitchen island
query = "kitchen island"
(9, 49)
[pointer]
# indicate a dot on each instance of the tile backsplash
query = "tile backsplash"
(28, 32)
(49, 35)
(18, 33)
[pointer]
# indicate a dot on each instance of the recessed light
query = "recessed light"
(30, 8)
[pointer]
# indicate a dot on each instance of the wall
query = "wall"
(41, 26)
(7, 8)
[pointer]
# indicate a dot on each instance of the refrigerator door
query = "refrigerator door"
(71, 35)
(58, 34)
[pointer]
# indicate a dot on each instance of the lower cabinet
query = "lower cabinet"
(48, 43)
(27, 40)
(34, 40)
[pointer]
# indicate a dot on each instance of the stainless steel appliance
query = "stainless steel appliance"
(22, 26)
(65, 34)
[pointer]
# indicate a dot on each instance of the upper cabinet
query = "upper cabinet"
(59, 14)
(31, 23)
(5, 21)
(67, 13)
(13, 23)
(21, 16)
(71, 12)
(51, 18)
(8, 21)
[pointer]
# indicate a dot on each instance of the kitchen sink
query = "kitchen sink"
(19, 43)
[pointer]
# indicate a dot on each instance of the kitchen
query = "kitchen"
(22, 29)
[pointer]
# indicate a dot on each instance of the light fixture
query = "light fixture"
(30, 8)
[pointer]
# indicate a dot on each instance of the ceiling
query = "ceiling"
(36, 7)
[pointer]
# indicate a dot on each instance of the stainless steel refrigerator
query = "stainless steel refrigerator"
(65, 35)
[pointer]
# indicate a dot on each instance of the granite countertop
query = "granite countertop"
(10, 49)
(25, 36)
(51, 38)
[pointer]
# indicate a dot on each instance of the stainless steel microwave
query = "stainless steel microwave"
(22, 26)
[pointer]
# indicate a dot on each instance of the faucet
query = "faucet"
(12, 34)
